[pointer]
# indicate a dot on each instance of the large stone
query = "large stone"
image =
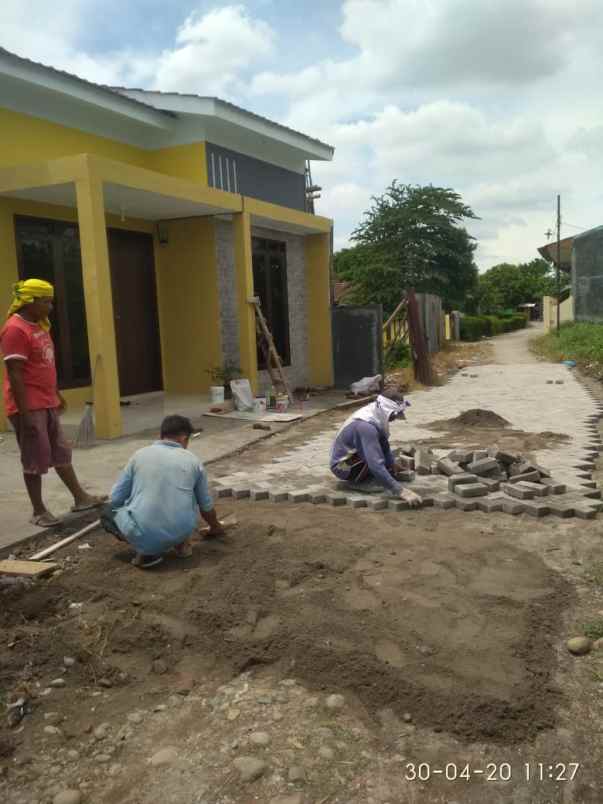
(471, 490)
(250, 768)
(449, 468)
(483, 467)
(165, 756)
(579, 646)
(461, 480)
(67, 797)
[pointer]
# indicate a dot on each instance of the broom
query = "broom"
(86, 436)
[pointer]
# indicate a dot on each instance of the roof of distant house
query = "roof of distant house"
(549, 252)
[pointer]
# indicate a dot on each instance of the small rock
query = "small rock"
(103, 759)
(102, 731)
(579, 645)
(184, 683)
(264, 699)
(57, 683)
(67, 797)
(73, 754)
(250, 768)
(260, 738)
(277, 715)
(335, 702)
(166, 756)
(105, 682)
(52, 718)
(159, 666)
(296, 774)
(407, 717)
(52, 730)
(233, 714)
(68, 661)
(325, 752)
(135, 717)
(160, 708)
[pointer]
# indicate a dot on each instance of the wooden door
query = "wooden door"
(135, 311)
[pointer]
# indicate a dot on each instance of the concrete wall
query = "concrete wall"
(587, 275)
(549, 312)
(297, 372)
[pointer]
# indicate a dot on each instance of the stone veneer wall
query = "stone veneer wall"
(297, 372)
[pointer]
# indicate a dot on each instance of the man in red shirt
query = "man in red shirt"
(32, 399)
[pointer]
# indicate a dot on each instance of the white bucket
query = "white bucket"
(259, 405)
(216, 394)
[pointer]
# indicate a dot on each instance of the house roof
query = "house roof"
(549, 252)
(157, 108)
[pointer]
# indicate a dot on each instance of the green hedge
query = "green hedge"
(474, 327)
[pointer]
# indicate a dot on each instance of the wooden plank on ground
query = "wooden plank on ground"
(33, 569)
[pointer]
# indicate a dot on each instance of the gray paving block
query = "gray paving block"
(223, 491)
(461, 456)
(406, 476)
(241, 493)
(318, 497)
(506, 458)
(585, 466)
(491, 483)
(537, 508)
(588, 484)
(510, 506)
(584, 513)
(461, 480)
(593, 494)
(357, 502)
(444, 501)
(528, 477)
(279, 496)
(539, 489)
(515, 490)
(595, 505)
(561, 509)
(556, 488)
(299, 496)
(471, 490)
(488, 505)
(423, 461)
(378, 505)
(337, 499)
(397, 505)
(448, 467)
(260, 494)
(484, 466)
(465, 505)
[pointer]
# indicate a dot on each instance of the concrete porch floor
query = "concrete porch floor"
(99, 466)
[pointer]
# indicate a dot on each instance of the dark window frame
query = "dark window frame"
(55, 231)
(266, 249)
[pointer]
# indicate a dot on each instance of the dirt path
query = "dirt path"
(513, 348)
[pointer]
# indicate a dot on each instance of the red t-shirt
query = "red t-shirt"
(22, 340)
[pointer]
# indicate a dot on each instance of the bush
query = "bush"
(397, 356)
(474, 327)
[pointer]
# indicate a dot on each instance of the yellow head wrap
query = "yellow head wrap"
(26, 292)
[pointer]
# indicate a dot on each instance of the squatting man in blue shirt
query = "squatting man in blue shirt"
(361, 452)
(156, 500)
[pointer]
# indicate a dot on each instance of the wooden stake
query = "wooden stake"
(64, 542)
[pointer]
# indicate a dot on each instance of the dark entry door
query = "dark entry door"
(357, 343)
(135, 310)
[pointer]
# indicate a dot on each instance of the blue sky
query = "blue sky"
(499, 100)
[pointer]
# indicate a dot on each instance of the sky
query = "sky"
(498, 99)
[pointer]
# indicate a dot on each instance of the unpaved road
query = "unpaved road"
(445, 633)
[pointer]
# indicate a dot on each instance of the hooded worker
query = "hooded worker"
(32, 400)
(361, 451)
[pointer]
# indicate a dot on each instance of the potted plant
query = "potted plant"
(221, 377)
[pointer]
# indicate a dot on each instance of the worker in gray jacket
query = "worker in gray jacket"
(362, 453)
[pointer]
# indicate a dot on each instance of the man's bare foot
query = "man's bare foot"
(184, 549)
(44, 520)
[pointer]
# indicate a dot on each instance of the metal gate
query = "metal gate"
(357, 343)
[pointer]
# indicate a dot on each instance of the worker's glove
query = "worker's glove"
(413, 499)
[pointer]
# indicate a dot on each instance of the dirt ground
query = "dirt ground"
(443, 631)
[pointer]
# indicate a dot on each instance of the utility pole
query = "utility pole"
(558, 261)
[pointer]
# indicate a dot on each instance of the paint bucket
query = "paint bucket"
(282, 403)
(216, 394)
(259, 405)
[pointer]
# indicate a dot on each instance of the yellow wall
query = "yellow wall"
(549, 312)
(320, 353)
(30, 140)
(189, 305)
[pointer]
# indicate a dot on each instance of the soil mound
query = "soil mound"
(476, 417)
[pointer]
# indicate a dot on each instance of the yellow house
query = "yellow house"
(156, 216)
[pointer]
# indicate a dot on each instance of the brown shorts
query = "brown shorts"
(46, 446)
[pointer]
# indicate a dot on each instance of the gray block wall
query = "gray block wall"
(297, 372)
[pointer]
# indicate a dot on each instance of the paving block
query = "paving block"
(479, 455)
(223, 491)
(279, 496)
(539, 489)
(491, 483)
(337, 499)
(406, 462)
(501, 456)
(461, 480)
(555, 488)
(536, 508)
(461, 456)
(407, 449)
(318, 497)
(378, 505)
(484, 466)
(584, 513)
(465, 505)
(561, 508)
(444, 501)
(527, 477)
(423, 461)
(357, 502)
(588, 484)
(260, 494)
(298, 496)
(397, 505)
(489, 505)
(518, 491)
(241, 493)
(471, 490)
(449, 468)
(405, 476)
(510, 506)
(595, 505)
(585, 466)
(593, 494)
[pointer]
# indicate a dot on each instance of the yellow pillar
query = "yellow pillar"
(8, 276)
(320, 350)
(99, 306)
(244, 282)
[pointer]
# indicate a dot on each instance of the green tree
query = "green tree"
(411, 237)
(507, 285)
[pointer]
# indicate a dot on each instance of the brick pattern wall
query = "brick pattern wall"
(297, 372)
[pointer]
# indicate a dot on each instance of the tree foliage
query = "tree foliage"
(507, 285)
(411, 237)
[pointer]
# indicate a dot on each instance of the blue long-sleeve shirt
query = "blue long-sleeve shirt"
(372, 446)
(158, 495)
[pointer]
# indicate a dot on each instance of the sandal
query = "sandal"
(94, 502)
(45, 520)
